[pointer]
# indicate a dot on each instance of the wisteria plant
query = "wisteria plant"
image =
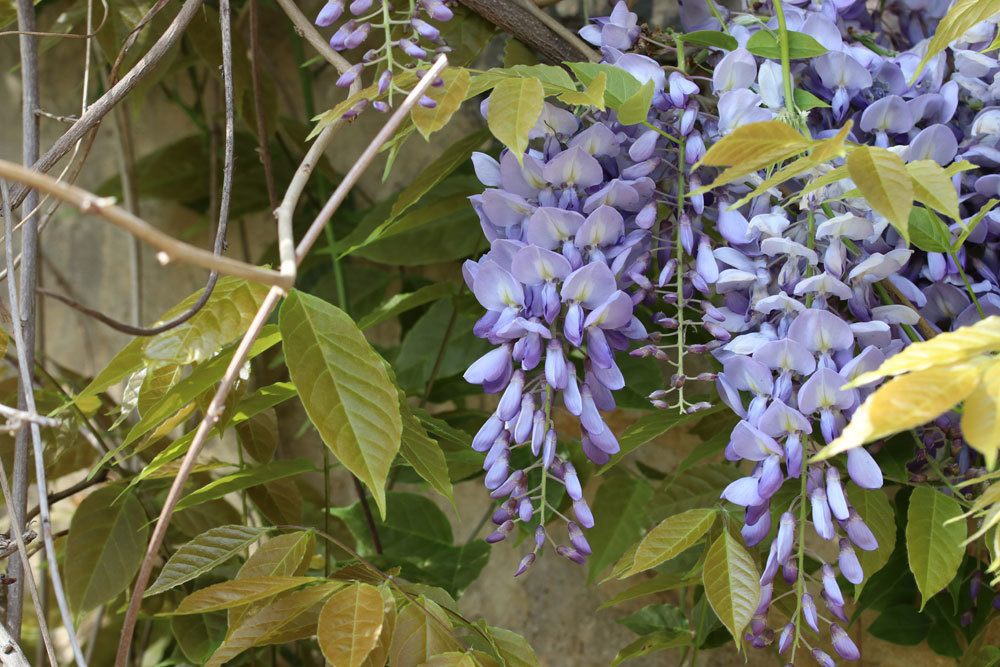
(710, 308)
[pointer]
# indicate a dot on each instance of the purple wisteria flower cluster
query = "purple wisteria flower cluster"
(408, 38)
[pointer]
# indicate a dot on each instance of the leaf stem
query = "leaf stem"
(968, 285)
(786, 62)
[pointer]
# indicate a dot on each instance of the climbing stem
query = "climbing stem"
(800, 583)
(678, 246)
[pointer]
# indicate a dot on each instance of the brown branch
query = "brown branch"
(369, 517)
(216, 407)
(536, 29)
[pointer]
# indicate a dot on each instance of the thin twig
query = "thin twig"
(170, 248)
(369, 517)
(13, 655)
(103, 105)
(24, 368)
(217, 406)
(13, 414)
(305, 27)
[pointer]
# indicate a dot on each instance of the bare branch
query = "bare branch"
(13, 414)
(11, 654)
(534, 27)
(215, 409)
(304, 27)
(24, 369)
(170, 248)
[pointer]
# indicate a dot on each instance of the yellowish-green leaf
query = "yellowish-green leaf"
(951, 347)
(732, 583)
(933, 545)
(752, 147)
(291, 616)
(514, 107)
(513, 649)
(451, 659)
(258, 435)
(933, 187)
(592, 94)
(350, 624)
(960, 18)
(882, 178)
(203, 554)
(238, 592)
(199, 635)
(420, 634)
(829, 178)
(379, 654)
(244, 479)
(423, 453)
(905, 402)
(981, 415)
(107, 539)
(282, 556)
(449, 98)
(671, 537)
(636, 108)
(876, 511)
(344, 388)
(653, 642)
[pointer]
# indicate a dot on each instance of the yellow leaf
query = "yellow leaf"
(449, 98)
(963, 15)
(514, 108)
(829, 178)
(350, 624)
(903, 403)
(932, 187)
(379, 654)
(756, 145)
(882, 178)
(592, 95)
(946, 348)
(981, 415)
(672, 536)
(422, 631)
(237, 593)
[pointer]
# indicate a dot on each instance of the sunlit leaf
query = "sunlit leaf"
(448, 97)
(933, 545)
(592, 95)
(244, 479)
(635, 109)
(714, 38)
(344, 388)
(379, 654)
(514, 107)
(671, 537)
(764, 43)
(981, 415)
(933, 187)
(620, 85)
(258, 435)
(905, 402)
(513, 649)
(289, 617)
(732, 583)
(203, 554)
(422, 631)
(107, 539)
(882, 178)
(238, 592)
(928, 232)
(350, 624)
(960, 18)
(619, 515)
(451, 659)
(756, 145)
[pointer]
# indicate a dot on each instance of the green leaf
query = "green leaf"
(731, 583)
(875, 510)
(806, 101)
(423, 453)
(649, 427)
(764, 43)
(620, 84)
(106, 543)
(960, 18)
(655, 617)
(882, 178)
(663, 581)
(514, 107)
(201, 379)
(928, 232)
(223, 319)
(513, 649)
(401, 303)
(933, 187)
(672, 536)
(619, 514)
(448, 97)
(344, 388)
(199, 636)
(350, 624)
(555, 79)
(697, 487)
(592, 95)
(635, 109)
(203, 554)
(901, 624)
(712, 38)
(289, 617)
(970, 226)
(286, 555)
(651, 643)
(238, 592)
(258, 435)
(418, 354)
(420, 634)
(934, 547)
(244, 479)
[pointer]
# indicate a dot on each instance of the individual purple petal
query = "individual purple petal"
(510, 402)
(809, 611)
(843, 644)
(537, 432)
(590, 285)
(888, 114)
(737, 69)
(743, 492)
(525, 563)
(533, 265)
(490, 366)
(754, 533)
(786, 637)
(574, 167)
(823, 390)
(572, 482)
(598, 140)
(863, 469)
(787, 355)
(860, 533)
(752, 444)
(771, 477)
(500, 533)
(496, 289)
(786, 537)
(581, 510)
(642, 68)
(849, 564)
(329, 14)
(822, 522)
(571, 554)
(837, 69)
(549, 448)
(936, 142)
(614, 313)
(823, 658)
(793, 455)
(821, 331)
(590, 418)
(577, 539)
(747, 374)
(604, 226)
(571, 395)
(835, 494)
(556, 373)
(830, 586)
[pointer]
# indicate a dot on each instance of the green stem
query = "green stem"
(800, 583)
(661, 132)
(718, 17)
(679, 247)
(786, 61)
(387, 28)
(968, 285)
(545, 473)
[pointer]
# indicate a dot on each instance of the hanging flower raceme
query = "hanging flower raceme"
(407, 40)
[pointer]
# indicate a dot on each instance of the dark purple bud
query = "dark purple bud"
(975, 583)
(786, 637)
(501, 533)
(330, 13)
(526, 562)
(425, 29)
(754, 533)
(577, 538)
(849, 564)
(790, 572)
(412, 50)
(504, 512)
(427, 102)
(359, 7)
(965, 620)
(996, 602)
(757, 625)
(383, 82)
(766, 591)
(823, 658)
(572, 554)
(843, 644)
